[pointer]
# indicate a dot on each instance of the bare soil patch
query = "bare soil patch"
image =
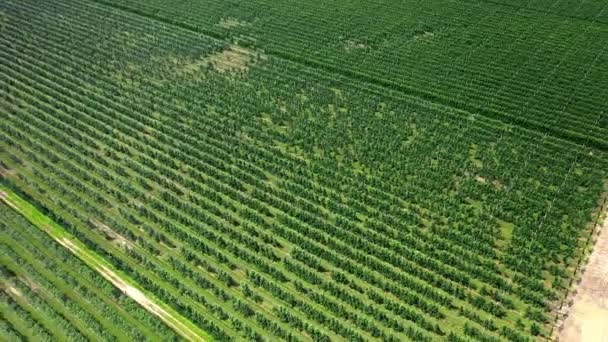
(354, 44)
(423, 35)
(587, 318)
(481, 179)
(232, 59)
(5, 171)
(230, 23)
(67, 243)
(31, 284)
(111, 235)
(12, 290)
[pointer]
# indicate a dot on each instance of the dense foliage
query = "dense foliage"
(314, 173)
(539, 64)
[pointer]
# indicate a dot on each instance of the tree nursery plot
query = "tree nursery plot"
(298, 170)
(48, 294)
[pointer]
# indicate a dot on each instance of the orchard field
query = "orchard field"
(298, 170)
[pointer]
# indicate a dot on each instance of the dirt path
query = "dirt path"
(173, 319)
(132, 292)
(587, 320)
(148, 304)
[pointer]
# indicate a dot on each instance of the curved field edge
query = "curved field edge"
(583, 313)
(174, 320)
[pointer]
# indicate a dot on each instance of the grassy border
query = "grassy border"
(174, 320)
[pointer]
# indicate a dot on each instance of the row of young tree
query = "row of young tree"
(206, 193)
(89, 309)
(497, 88)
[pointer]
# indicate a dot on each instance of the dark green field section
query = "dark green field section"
(304, 171)
(47, 294)
(537, 64)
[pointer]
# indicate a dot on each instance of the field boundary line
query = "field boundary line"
(521, 122)
(129, 287)
(563, 311)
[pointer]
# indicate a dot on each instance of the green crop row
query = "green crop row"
(264, 197)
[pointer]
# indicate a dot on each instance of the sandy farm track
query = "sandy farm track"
(178, 323)
(588, 317)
